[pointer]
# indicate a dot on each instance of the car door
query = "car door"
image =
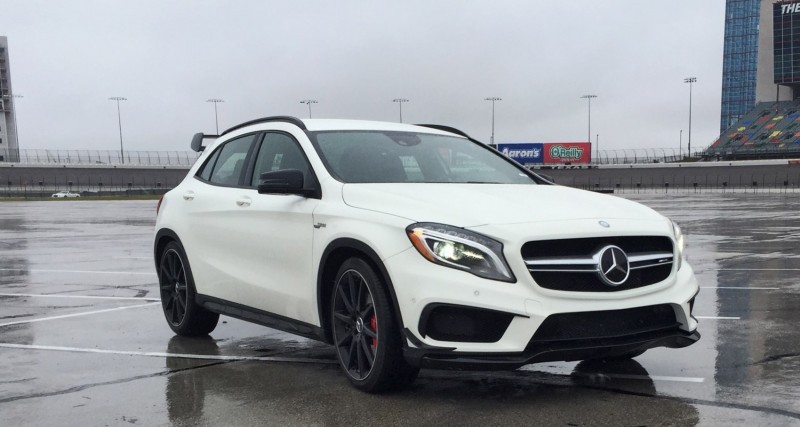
(275, 255)
(210, 235)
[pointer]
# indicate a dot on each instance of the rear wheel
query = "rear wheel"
(183, 314)
(365, 332)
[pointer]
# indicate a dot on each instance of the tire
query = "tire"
(365, 332)
(184, 316)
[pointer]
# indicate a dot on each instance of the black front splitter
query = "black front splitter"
(448, 358)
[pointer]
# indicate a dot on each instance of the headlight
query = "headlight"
(460, 249)
(676, 230)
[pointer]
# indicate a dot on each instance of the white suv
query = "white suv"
(414, 246)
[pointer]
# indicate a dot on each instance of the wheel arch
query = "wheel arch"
(334, 255)
(163, 237)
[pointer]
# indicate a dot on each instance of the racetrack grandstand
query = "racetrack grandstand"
(770, 130)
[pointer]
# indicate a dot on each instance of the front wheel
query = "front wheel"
(365, 332)
(182, 312)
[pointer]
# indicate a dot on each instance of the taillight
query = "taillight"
(158, 206)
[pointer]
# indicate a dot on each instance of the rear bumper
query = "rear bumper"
(447, 358)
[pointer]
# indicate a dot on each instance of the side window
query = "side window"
(280, 151)
(205, 172)
(231, 161)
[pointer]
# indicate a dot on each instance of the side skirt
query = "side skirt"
(260, 317)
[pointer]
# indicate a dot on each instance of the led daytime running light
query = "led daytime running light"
(460, 249)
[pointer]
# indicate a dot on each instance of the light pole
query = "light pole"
(309, 102)
(680, 146)
(597, 142)
(215, 101)
(400, 102)
(493, 99)
(589, 138)
(119, 119)
(690, 80)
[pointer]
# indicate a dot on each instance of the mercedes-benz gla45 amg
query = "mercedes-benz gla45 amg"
(407, 247)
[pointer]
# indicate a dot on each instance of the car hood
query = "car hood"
(471, 205)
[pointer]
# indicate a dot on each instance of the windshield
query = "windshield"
(389, 157)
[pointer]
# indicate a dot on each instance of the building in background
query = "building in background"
(760, 81)
(739, 60)
(9, 144)
(749, 56)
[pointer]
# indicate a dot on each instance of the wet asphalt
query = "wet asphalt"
(83, 340)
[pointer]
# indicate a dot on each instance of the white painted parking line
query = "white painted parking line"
(85, 313)
(739, 287)
(36, 270)
(663, 378)
(717, 318)
(80, 297)
(559, 371)
(161, 354)
(652, 377)
(149, 258)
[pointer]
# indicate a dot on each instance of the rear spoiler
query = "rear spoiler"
(197, 141)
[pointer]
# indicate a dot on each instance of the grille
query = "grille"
(573, 264)
(599, 325)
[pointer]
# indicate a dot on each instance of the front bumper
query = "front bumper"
(444, 358)
(419, 284)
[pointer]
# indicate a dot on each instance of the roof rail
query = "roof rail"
(288, 119)
(197, 141)
(447, 129)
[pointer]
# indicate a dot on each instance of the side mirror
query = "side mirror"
(286, 181)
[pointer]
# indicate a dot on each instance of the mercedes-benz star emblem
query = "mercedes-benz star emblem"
(612, 265)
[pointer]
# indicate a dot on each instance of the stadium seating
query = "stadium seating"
(770, 130)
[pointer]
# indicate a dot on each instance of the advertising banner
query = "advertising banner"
(523, 153)
(567, 152)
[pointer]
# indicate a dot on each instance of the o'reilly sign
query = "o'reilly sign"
(523, 153)
(548, 153)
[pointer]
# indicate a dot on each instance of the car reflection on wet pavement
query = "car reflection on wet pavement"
(83, 340)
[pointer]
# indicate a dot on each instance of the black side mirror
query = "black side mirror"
(286, 181)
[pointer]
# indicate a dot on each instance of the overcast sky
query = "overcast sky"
(262, 57)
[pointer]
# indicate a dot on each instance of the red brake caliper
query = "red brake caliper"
(373, 324)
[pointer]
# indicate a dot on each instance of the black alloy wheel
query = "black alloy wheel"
(174, 292)
(365, 331)
(184, 316)
(355, 324)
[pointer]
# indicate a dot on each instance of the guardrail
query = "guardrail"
(645, 155)
(106, 157)
(766, 151)
(187, 158)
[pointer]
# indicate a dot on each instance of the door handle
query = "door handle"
(189, 195)
(244, 202)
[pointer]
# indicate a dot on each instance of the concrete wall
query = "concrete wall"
(706, 175)
(765, 175)
(89, 177)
